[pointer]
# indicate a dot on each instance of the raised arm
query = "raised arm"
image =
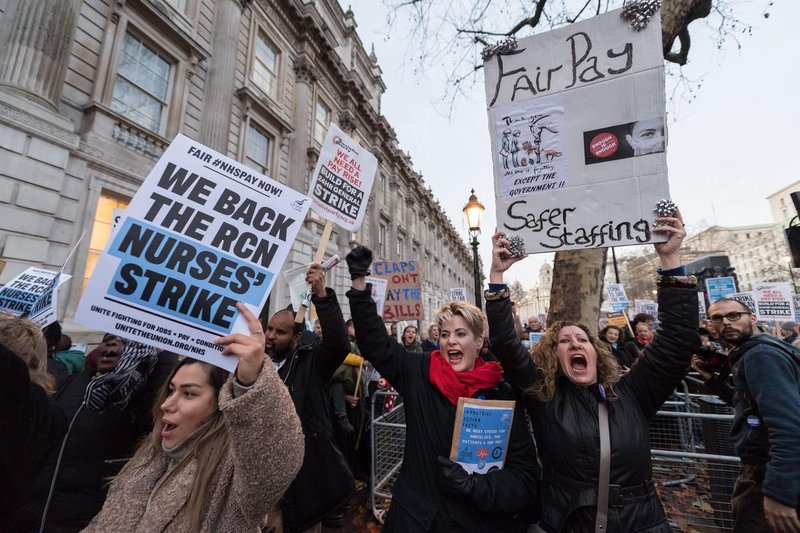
(518, 367)
(335, 345)
(262, 421)
(384, 352)
(667, 358)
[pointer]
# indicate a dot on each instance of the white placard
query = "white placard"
(578, 135)
(33, 293)
(617, 296)
(202, 233)
(458, 294)
(646, 306)
(342, 180)
(773, 301)
(379, 286)
(701, 303)
(746, 298)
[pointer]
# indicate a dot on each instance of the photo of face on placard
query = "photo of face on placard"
(622, 141)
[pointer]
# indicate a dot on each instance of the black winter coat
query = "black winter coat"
(418, 502)
(31, 430)
(324, 482)
(566, 428)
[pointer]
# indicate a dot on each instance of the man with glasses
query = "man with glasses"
(766, 426)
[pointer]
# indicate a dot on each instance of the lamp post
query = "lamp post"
(473, 212)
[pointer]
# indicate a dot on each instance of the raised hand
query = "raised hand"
(359, 259)
(316, 278)
(676, 231)
(248, 348)
(501, 257)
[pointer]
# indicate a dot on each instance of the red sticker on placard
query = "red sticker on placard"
(604, 144)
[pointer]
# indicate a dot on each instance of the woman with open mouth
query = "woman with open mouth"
(571, 380)
(433, 493)
(223, 449)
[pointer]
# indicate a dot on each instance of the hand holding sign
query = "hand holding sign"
(674, 228)
(455, 480)
(316, 279)
(248, 348)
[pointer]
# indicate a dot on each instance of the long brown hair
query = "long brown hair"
(26, 339)
(545, 356)
(209, 449)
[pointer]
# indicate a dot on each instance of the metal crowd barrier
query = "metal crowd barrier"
(694, 465)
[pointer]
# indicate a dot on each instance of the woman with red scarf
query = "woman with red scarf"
(433, 493)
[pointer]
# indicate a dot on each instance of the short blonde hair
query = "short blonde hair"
(471, 314)
(25, 339)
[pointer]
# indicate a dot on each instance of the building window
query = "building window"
(257, 150)
(265, 66)
(142, 84)
(179, 5)
(322, 119)
(382, 240)
(101, 228)
(400, 248)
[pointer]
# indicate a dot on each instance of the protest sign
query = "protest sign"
(202, 233)
(480, 434)
(617, 296)
(535, 337)
(796, 304)
(646, 306)
(577, 128)
(618, 319)
(773, 301)
(746, 298)
(719, 288)
(404, 290)
(298, 288)
(342, 180)
(34, 287)
(379, 287)
(458, 294)
(701, 303)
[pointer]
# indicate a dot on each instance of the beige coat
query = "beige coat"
(266, 453)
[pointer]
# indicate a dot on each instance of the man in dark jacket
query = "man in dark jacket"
(766, 426)
(306, 364)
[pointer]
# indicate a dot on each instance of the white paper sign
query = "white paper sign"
(746, 298)
(701, 303)
(773, 301)
(458, 294)
(646, 306)
(202, 233)
(578, 135)
(298, 288)
(379, 286)
(342, 180)
(617, 296)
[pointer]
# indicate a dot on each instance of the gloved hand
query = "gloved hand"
(455, 480)
(358, 261)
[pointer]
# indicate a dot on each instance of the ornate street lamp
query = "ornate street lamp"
(473, 212)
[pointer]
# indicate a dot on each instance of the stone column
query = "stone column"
(220, 83)
(36, 39)
(305, 76)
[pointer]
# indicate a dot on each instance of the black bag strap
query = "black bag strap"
(601, 518)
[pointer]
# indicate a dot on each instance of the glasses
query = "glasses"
(732, 317)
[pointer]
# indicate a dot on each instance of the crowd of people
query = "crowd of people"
(131, 438)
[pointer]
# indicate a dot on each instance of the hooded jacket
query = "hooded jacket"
(567, 430)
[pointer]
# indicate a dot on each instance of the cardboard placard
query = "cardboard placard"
(481, 434)
(458, 294)
(618, 319)
(719, 288)
(404, 290)
(773, 301)
(578, 135)
(617, 296)
(342, 180)
(202, 232)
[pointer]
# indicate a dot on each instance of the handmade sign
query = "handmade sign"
(404, 291)
(480, 434)
(719, 288)
(576, 121)
(773, 301)
(202, 233)
(617, 296)
(342, 180)
(33, 293)
(458, 294)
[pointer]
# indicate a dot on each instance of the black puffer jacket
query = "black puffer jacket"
(324, 482)
(566, 428)
(418, 503)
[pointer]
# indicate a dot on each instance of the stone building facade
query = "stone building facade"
(92, 91)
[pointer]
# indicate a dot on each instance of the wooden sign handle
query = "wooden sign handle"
(323, 245)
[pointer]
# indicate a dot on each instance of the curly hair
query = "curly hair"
(25, 339)
(546, 359)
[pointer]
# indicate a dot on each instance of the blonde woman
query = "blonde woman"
(571, 372)
(221, 454)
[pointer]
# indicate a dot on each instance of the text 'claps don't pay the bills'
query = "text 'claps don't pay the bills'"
(202, 233)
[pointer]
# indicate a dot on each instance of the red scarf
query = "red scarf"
(644, 341)
(454, 384)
